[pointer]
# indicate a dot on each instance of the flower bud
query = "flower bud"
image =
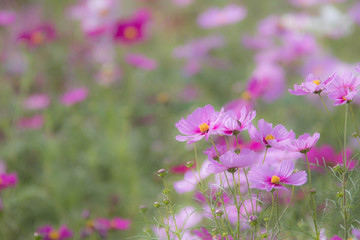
(219, 212)
(157, 204)
(313, 191)
(237, 150)
(339, 194)
(166, 201)
(338, 169)
(189, 164)
(37, 236)
(143, 208)
(161, 172)
(355, 135)
(253, 219)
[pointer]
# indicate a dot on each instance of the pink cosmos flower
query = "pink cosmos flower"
(180, 169)
(213, 155)
(234, 123)
(343, 88)
(7, 17)
(37, 102)
(203, 122)
(354, 12)
(8, 180)
(132, 30)
(356, 233)
(39, 35)
(49, 233)
(197, 53)
(267, 178)
(336, 237)
(312, 84)
(326, 154)
(230, 161)
(74, 96)
(182, 3)
(34, 122)
(308, 3)
(96, 16)
(185, 220)
(277, 137)
(216, 17)
(141, 61)
(304, 143)
(190, 180)
(102, 226)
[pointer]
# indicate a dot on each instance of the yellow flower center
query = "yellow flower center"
(317, 82)
(246, 95)
(269, 137)
(131, 33)
(344, 98)
(53, 235)
(90, 224)
(37, 37)
(275, 179)
(204, 127)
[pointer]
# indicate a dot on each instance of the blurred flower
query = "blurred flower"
(132, 30)
(277, 137)
(7, 17)
(230, 161)
(34, 122)
(102, 226)
(356, 233)
(354, 12)
(37, 102)
(39, 35)
(205, 235)
(108, 74)
(141, 61)
(215, 154)
(312, 84)
(203, 122)
(74, 96)
(304, 143)
(343, 88)
(216, 17)
(182, 3)
(308, 3)
(235, 123)
(49, 233)
(96, 16)
(185, 219)
(180, 169)
(196, 53)
(8, 180)
(267, 178)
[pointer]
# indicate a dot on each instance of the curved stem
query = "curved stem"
(265, 155)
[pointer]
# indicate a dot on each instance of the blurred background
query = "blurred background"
(91, 90)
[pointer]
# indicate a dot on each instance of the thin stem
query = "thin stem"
(212, 142)
(277, 207)
(265, 155)
(249, 190)
(287, 207)
(312, 199)
(355, 125)
(344, 175)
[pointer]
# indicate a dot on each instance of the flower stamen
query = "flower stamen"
(204, 127)
(275, 179)
(269, 137)
(316, 82)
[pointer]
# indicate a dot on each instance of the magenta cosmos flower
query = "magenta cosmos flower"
(277, 137)
(132, 30)
(216, 17)
(34, 122)
(267, 178)
(312, 84)
(7, 17)
(203, 122)
(234, 123)
(304, 143)
(39, 35)
(343, 88)
(74, 96)
(49, 233)
(8, 180)
(230, 161)
(102, 226)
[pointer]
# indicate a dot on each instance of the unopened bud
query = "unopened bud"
(161, 172)
(37, 236)
(313, 191)
(219, 212)
(338, 169)
(143, 208)
(237, 151)
(355, 135)
(189, 164)
(157, 204)
(253, 219)
(339, 194)
(166, 201)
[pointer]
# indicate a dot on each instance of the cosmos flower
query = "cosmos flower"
(74, 96)
(216, 17)
(7, 17)
(37, 102)
(103, 225)
(140, 61)
(7, 180)
(234, 123)
(203, 122)
(34, 122)
(132, 30)
(230, 161)
(267, 178)
(277, 137)
(39, 35)
(304, 143)
(49, 233)
(343, 88)
(312, 84)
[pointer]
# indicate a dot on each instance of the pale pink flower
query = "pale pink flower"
(74, 96)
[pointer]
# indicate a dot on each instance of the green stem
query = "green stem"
(344, 176)
(312, 199)
(355, 125)
(212, 142)
(265, 155)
